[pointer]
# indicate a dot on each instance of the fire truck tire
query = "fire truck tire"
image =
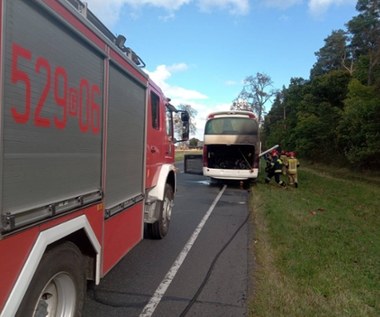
(160, 228)
(58, 286)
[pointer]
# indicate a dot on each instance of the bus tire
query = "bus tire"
(58, 286)
(160, 228)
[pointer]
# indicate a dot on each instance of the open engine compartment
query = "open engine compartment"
(224, 156)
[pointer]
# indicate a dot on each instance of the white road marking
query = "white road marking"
(162, 288)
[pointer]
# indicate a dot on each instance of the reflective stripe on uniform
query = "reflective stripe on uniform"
(292, 166)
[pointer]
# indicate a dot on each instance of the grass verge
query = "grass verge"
(179, 154)
(316, 248)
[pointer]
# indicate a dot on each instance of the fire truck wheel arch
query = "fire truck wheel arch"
(58, 285)
(160, 228)
(166, 176)
(46, 238)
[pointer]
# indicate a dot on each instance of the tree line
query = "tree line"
(334, 116)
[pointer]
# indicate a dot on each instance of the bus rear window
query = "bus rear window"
(231, 126)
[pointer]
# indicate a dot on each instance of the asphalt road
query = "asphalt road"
(212, 279)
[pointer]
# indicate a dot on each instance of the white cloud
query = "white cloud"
(167, 4)
(231, 83)
(281, 4)
(318, 7)
(178, 67)
(239, 7)
(110, 13)
(180, 95)
(177, 94)
(202, 112)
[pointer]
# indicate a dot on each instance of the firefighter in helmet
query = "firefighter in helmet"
(284, 160)
(292, 166)
(274, 168)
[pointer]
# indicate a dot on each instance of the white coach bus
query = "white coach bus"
(231, 146)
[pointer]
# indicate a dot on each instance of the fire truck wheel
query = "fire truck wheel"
(160, 228)
(58, 286)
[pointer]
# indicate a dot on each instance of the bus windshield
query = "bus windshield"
(231, 126)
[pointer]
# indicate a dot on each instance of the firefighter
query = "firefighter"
(274, 168)
(284, 160)
(292, 166)
(268, 161)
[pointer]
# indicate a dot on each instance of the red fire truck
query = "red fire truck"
(86, 155)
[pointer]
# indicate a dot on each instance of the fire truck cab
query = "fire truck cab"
(86, 155)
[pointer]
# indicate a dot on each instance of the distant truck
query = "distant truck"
(86, 155)
(231, 146)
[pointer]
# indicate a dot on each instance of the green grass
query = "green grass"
(316, 248)
(179, 154)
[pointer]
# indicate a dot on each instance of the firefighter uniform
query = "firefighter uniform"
(274, 168)
(284, 160)
(292, 166)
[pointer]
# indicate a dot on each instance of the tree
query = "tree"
(331, 88)
(334, 55)
(282, 119)
(337, 112)
(365, 42)
(255, 94)
(241, 104)
(358, 131)
(193, 143)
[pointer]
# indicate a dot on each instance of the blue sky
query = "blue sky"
(200, 51)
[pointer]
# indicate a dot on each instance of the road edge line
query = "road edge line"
(165, 283)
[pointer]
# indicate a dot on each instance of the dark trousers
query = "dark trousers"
(277, 177)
